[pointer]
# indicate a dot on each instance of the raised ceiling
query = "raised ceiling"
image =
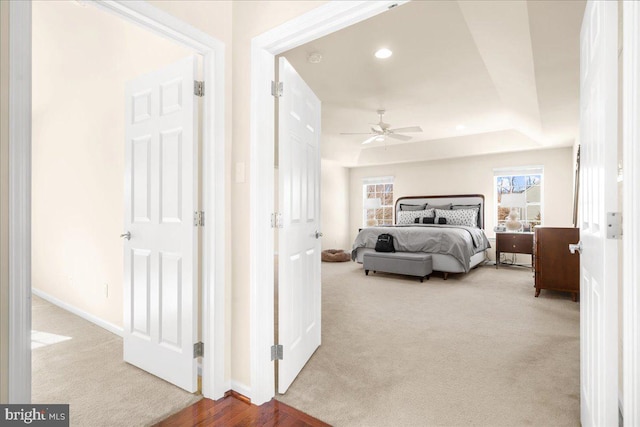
(479, 77)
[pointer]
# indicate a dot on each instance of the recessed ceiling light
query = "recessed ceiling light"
(461, 127)
(383, 53)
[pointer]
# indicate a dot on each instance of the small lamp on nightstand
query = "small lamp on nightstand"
(515, 201)
(375, 203)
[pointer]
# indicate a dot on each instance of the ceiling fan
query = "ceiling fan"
(384, 130)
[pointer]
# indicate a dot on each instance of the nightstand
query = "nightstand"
(515, 243)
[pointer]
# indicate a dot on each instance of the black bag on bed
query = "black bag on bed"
(385, 243)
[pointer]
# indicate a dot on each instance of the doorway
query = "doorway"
(213, 181)
(84, 169)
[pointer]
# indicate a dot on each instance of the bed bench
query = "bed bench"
(407, 263)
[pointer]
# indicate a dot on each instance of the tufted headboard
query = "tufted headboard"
(462, 199)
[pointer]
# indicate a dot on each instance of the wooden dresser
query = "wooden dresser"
(555, 267)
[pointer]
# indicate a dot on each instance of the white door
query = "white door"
(160, 257)
(299, 238)
(599, 259)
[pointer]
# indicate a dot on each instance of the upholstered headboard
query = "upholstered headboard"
(462, 199)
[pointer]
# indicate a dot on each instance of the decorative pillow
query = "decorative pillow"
(445, 207)
(467, 217)
(406, 207)
(429, 220)
(442, 220)
(475, 207)
(409, 217)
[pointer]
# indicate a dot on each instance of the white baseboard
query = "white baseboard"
(78, 312)
(241, 388)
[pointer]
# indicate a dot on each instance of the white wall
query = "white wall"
(335, 206)
(78, 149)
(474, 175)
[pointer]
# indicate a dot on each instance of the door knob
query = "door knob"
(126, 235)
(318, 234)
(573, 248)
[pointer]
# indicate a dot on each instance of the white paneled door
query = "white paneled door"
(299, 239)
(599, 259)
(160, 239)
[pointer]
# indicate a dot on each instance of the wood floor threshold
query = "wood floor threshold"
(235, 410)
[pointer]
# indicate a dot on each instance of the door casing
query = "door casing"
(213, 274)
(630, 398)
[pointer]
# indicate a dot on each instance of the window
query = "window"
(377, 201)
(519, 189)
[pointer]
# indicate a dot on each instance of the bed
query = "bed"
(454, 248)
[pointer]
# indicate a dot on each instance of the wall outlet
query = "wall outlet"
(106, 290)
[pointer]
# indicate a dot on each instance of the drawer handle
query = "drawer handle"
(514, 246)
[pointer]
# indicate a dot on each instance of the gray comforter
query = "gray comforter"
(458, 241)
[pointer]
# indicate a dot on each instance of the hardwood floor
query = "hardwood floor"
(233, 411)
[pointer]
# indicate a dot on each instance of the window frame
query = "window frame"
(380, 180)
(518, 171)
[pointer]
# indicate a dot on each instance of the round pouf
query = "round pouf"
(335, 255)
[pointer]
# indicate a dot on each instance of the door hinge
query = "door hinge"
(276, 352)
(198, 219)
(276, 89)
(614, 225)
(198, 349)
(276, 220)
(198, 88)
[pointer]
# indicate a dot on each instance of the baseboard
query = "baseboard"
(79, 312)
(240, 389)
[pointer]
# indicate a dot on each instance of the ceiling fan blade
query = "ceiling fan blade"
(370, 140)
(407, 129)
(355, 133)
(401, 137)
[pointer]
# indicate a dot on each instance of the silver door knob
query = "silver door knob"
(126, 235)
(576, 248)
(318, 234)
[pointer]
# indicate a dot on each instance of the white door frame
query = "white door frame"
(323, 20)
(213, 294)
(630, 214)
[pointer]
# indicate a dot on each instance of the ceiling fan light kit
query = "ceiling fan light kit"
(385, 131)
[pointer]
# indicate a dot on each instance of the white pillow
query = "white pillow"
(409, 217)
(466, 217)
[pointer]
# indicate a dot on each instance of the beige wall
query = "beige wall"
(474, 175)
(335, 206)
(78, 149)
(4, 201)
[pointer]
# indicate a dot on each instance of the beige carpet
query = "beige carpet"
(88, 373)
(477, 349)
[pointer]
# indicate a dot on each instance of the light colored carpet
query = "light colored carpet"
(88, 373)
(477, 349)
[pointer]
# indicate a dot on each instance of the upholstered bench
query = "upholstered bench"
(408, 263)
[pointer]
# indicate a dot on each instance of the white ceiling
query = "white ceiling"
(508, 71)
